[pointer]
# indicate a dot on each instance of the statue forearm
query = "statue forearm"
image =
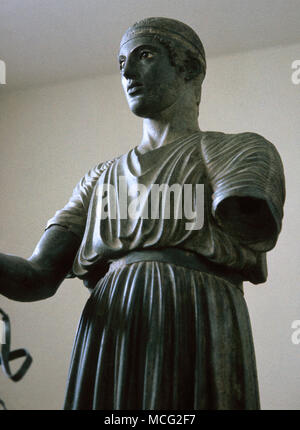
(39, 277)
(22, 280)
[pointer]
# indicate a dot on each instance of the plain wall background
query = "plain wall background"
(50, 136)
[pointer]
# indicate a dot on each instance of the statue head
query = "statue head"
(183, 46)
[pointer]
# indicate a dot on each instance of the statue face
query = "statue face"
(150, 82)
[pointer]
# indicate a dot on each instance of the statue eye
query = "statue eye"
(146, 54)
(122, 64)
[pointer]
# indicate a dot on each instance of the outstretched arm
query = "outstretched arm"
(39, 277)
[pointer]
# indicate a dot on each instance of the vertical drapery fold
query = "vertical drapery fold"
(155, 335)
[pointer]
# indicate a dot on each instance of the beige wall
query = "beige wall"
(51, 136)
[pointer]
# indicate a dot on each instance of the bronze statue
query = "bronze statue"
(166, 325)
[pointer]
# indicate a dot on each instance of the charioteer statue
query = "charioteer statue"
(166, 325)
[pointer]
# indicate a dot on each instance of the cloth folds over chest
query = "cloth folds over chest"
(112, 229)
(227, 165)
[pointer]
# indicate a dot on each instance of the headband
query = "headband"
(168, 29)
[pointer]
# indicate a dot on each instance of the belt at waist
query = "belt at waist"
(179, 257)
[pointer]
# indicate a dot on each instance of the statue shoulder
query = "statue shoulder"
(218, 138)
(87, 182)
(227, 146)
(93, 174)
(101, 167)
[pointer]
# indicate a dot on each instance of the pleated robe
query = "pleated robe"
(157, 335)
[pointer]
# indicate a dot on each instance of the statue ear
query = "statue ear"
(192, 68)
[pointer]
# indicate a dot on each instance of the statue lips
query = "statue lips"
(133, 88)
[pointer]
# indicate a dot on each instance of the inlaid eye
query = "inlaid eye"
(122, 64)
(146, 54)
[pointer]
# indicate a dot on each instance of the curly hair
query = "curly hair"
(183, 59)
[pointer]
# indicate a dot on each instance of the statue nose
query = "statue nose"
(129, 71)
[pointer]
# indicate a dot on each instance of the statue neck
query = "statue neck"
(168, 126)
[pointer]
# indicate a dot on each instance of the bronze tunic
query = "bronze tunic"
(158, 335)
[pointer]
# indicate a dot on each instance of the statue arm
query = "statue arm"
(250, 220)
(39, 276)
(247, 177)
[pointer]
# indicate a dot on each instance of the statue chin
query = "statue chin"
(143, 110)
